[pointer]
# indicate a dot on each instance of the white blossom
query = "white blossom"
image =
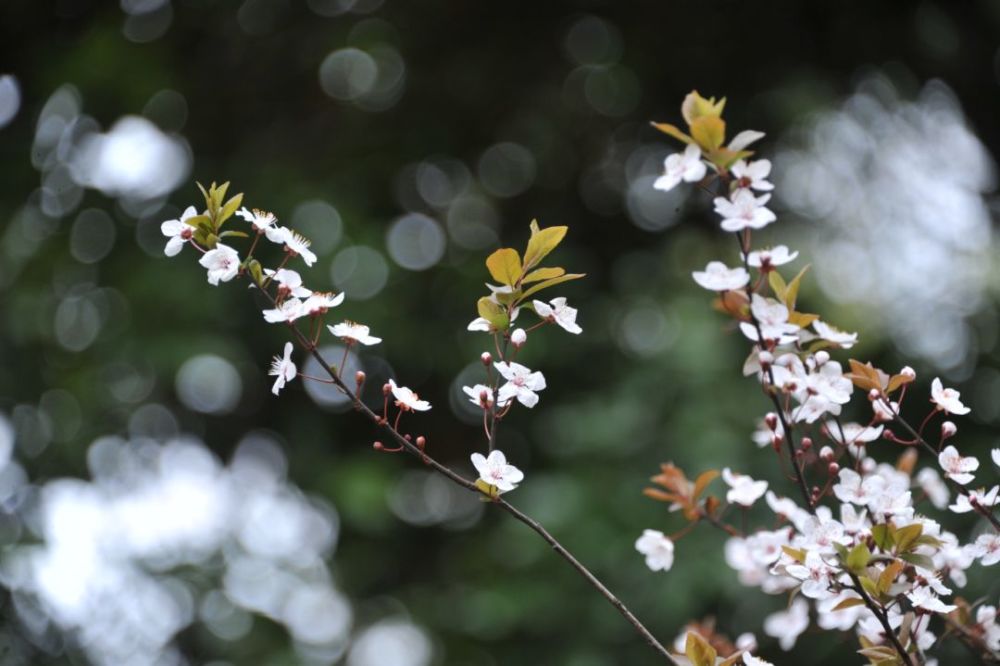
(289, 282)
(981, 497)
(789, 624)
(753, 174)
(407, 400)
(686, 166)
(743, 490)
(837, 337)
(719, 277)
(778, 255)
(481, 395)
(522, 383)
(286, 312)
(956, 467)
(260, 219)
(658, 549)
(178, 231)
(815, 575)
(350, 331)
(947, 399)
(223, 264)
(283, 368)
(320, 302)
(495, 471)
(744, 211)
(559, 312)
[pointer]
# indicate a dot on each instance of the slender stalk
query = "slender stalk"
(883, 619)
(456, 478)
(495, 388)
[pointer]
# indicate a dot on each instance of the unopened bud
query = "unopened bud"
(832, 469)
(518, 337)
(822, 357)
(378, 446)
(766, 358)
(421, 442)
(386, 389)
(486, 358)
(874, 395)
(771, 419)
(776, 442)
(484, 398)
(909, 373)
(826, 453)
(359, 377)
(948, 429)
(806, 443)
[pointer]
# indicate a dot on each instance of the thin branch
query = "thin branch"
(883, 619)
(414, 450)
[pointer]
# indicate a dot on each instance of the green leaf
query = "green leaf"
(237, 234)
(869, 585)
(199, 221)
(907, 536)
(883, 537)
(551, 283)
(505, 266)
(208, 199)
(493, 313)
(792, 293)
(255, 272)
(543, 274)
(709, 132)
(920, 560)
(542, 242)
(673, 131)
(231, 207)
(698, 650)
(840, 550)
(778, 285)
(888, 575)
(796, 554)
(858, 558)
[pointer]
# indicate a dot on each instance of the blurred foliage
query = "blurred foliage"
(653, 378)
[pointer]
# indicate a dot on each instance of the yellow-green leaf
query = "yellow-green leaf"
(778, 285)
(673, 131)
(883, 536)
(869, 585)
(505, 266)
(698, 650)
(490, 491)
(725, 158)
(231, 207)
(551, 283)
(792, 293)
(493, 313)
(255, 272)
(695, 106)
(237, 234)
(796, 554)
(198, 221)
(709, 132)
(906, 536)
(543, 274)
(858, 558)
(542, 242)
(204, 193)
(889, 575)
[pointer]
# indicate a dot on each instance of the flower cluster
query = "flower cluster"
(870, 560)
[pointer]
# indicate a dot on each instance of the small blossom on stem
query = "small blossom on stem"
(558, 312)
(495, 471)
(481, 395)
(830, 334)
(956, 467)
(752, 175)
(770, 258)
(406, 399)
(789, 624)
(658, 549)
(946, 399)
(320, 302)
(288, 311)
(223, 264)
(289, 283)
(350, 331)
(686, 166)
(178, 231)
(283, 368)
(522, 383)
(980, 498)
(744, 211)
(719, 277)
(518, 338)
(743, 490)
(260, 219)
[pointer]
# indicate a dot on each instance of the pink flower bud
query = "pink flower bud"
(806, 443)
(874, 395)
(909, 373)
(822, 357)
(378, 446)
(486, 358)
(386, 389)
(948, 429)
(359, 377)
(518, 337)
(771, 419)
(421, 442)
(826, 453)
(832, 469)
(776, 442)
